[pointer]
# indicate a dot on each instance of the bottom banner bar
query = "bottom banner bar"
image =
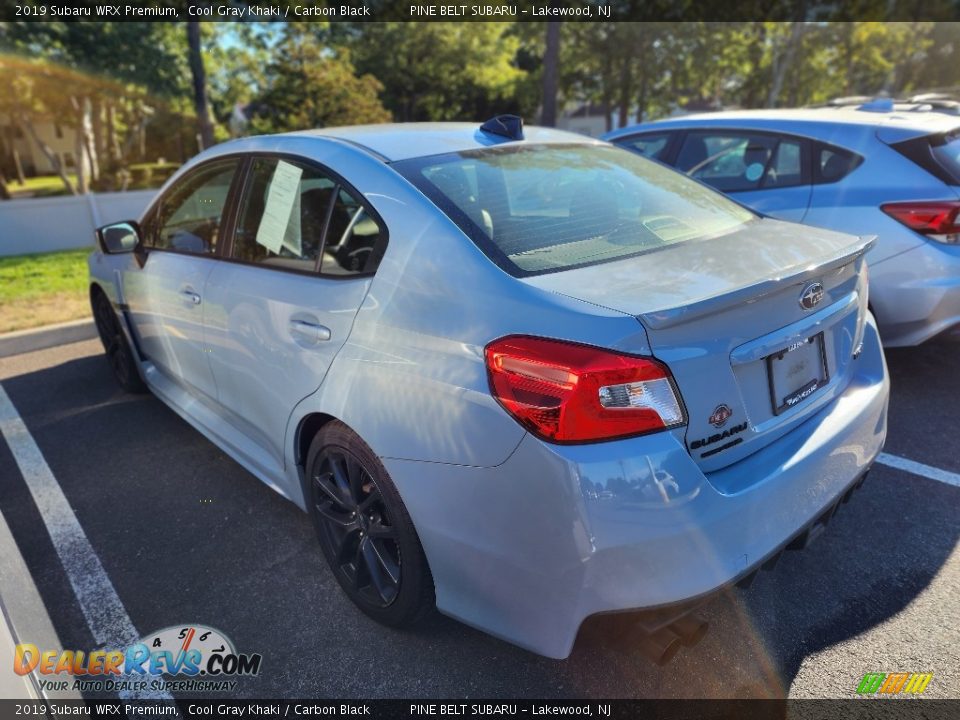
(875, 709)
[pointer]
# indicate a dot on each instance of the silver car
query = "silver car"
(522, 376)
(866, 170)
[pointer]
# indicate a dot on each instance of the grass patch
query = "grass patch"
(142, 176)
(40, 186)
(43, 289)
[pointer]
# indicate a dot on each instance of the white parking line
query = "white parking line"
(106, 616)
(927, 471)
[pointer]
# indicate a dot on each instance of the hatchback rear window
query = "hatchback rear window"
(542, 208)
(946, 151)
(938, 154)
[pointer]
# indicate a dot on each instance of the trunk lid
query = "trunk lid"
(716, 310)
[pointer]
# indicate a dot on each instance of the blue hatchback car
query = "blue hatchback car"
(522, 376)
(869, 169)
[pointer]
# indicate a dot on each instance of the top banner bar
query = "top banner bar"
(491, 11)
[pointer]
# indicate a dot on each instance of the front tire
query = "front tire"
(115, 345)
(364, 529)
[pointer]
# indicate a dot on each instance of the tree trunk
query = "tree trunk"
(21, 178)
(783, 64)
(10, 149)
(113, 143)
(89, 141)
(4, 192)
(626, 87)
(606, 91)
(551, 73)
(642, 97)
(81, 160)
(644, 51)
(204, 126)
(28, 130)
(99, 141)
(137, 132)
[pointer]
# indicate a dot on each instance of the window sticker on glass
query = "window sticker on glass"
(280, 224)
(754, 171)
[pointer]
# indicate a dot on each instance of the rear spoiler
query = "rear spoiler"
(676, 316)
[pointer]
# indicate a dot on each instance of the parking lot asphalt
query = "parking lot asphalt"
(188, 536)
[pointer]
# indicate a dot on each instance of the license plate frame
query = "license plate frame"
(812, 352)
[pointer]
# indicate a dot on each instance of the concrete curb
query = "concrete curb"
(24, 341)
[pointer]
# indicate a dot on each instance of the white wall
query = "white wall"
(591, 125)
(35, 225)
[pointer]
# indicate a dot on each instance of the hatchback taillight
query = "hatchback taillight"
(938, 219)
(565, 392)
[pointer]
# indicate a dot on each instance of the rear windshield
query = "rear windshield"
(938, 154)
(541, 208)
(946, 150)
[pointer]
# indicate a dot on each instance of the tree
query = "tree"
(93, 78)
(310, 87)
(439, 71)
(551, 61)
(199, 75)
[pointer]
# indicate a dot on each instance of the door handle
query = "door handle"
(311, 332)
(190, 296)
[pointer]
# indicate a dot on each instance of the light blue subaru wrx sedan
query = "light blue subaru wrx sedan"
(521, 376)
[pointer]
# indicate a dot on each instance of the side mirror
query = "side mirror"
(118, 238)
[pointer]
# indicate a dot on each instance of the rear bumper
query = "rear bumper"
(529, 549)
(916, 295)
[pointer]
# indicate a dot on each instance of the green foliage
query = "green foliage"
(300, 75)
(646, 70)
(149, 54)
(441, 71)
(308, 87)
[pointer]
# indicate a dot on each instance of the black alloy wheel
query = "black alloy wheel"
(364, 530)
(357, 528)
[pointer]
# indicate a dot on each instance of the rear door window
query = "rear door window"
(296, 217)
(832, 164)
(741, 162)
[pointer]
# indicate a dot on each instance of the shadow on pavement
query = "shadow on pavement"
(187, 536)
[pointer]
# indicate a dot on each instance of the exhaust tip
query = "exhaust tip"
(659, 647)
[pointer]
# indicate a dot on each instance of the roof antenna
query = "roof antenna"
(508, 126)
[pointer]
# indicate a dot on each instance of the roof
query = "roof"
(402, 141)
(894, 126)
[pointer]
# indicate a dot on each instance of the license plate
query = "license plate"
(797, 372)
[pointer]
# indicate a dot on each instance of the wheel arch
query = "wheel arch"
(307, 429)
(95, 288)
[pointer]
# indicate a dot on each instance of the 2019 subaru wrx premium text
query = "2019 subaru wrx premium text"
(524, 377)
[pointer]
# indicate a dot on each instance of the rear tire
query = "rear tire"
(119, 353)
(364, 529)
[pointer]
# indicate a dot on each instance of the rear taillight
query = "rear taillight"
(564, 392)
(937, 219)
